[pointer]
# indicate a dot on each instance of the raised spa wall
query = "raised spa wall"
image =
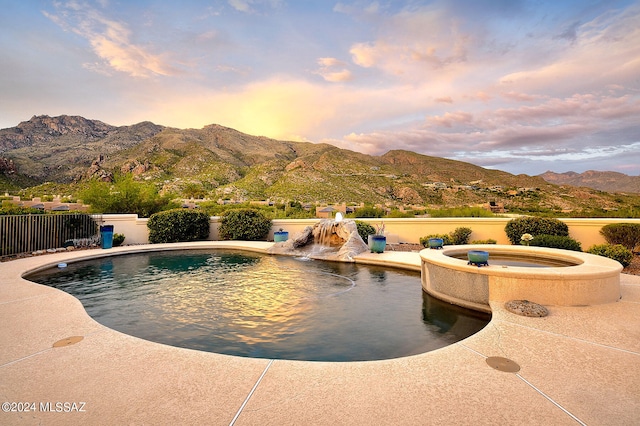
(591, 280)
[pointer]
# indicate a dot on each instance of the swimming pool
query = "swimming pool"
(255, 305)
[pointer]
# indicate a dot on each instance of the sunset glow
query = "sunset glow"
(520, 86)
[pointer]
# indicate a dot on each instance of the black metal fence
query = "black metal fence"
(32, 232)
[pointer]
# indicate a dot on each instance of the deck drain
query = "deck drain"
(68, 341)
(526, 308)
(503, 364)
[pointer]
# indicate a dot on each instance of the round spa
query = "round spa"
(542, 275)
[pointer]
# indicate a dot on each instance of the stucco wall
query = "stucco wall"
(586, 231)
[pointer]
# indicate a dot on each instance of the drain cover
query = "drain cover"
(68, 341)
(526, 308)
(503, 364)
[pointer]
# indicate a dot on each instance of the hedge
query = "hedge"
(556, 241)
(517, 227)
(176, 225)
(244, 224)
(625, 234)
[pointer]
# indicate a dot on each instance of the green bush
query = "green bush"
(458, 237)
(613, 251)
(244, 224)
(446, 239)
(118, 239)
(489, 241)
(364, 230)
(12, 209)
(461, 235)
(176, 225)
(515, 228)
(625, 234)
(556, 241)
(125, 195)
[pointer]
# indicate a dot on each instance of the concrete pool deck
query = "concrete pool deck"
(579, 365)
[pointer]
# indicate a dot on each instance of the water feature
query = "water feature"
(329, 239)
(255, 305)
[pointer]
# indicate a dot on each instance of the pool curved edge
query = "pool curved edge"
(591, 280)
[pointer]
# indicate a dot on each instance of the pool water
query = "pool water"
(254, 305)
(522, 260)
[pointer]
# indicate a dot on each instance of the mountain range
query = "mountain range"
(604, 181)
(220, 162)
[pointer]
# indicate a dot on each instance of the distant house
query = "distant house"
(325, 212)
(494, 207)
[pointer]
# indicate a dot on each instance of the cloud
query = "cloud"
(251, 6)
(570, 33)
(111, 41)
(450, 119)
(519, 97)
(333, 70)
(414, 44)
(603, 50)
(240, 5)
(573, 128)
(358, 8)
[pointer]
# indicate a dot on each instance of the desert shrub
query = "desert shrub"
(367, 212)
(515, 228)
(244, 224)
(488, 241)
(613, 251)
(118, 239)
(176, 225)
(460, 235)
(399, 214)
(446, 239)
(461, 212)
(625, 234)
(364, 230)
(556, 241)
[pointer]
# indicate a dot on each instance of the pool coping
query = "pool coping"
(577, 365)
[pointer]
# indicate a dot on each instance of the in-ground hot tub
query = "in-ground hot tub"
(542, 275)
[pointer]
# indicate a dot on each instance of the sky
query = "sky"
(523, 86)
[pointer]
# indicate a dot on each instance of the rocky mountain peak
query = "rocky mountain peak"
(65, 124)
(42, 129)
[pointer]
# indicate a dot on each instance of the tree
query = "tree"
(125, 195)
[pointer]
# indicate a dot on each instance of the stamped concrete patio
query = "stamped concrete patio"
(579, 365)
